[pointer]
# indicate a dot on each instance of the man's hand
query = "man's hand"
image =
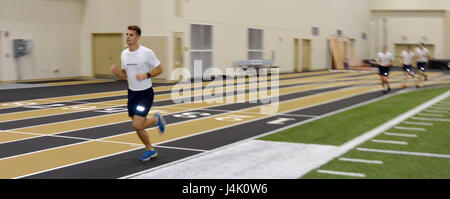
(141, 76)
(114, 69)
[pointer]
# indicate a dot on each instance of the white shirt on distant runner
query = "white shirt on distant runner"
(407, 56)
(142, 60)
(385, 58)
(422, 54)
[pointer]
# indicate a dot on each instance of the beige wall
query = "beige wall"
(282, 22)
(416, 19)
(62, 30)
(54, 28)
(447, 35)
(417, 26)
(409, 4)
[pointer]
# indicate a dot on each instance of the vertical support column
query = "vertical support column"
(447, 33)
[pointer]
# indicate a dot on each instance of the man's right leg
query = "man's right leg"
(138, 125)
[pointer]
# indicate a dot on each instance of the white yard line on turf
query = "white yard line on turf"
(401, 134)
(361, 160)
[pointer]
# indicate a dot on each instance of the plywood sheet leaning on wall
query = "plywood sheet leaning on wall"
(353, 58)
(341, 52)
(337, 53)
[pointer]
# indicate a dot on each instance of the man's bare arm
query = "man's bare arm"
(118, 72)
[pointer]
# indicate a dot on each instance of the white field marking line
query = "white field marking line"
(440, 108)
(361, 160)
(274, 131)
(405, 153)
(157, 144)
(54, 148)
(138, 146)
(430, 114)
(81, 162)
(268, 133)
(69, 108)
(251, 120)
(409, 128)
(434, 111)
(59, 101)
(182, 148)
(115, 105)
(218, 110)
(155, 108)
(323, 85)
(431, 119)
(389, 142)
(401, 134)
(419, 123)
(362, 175)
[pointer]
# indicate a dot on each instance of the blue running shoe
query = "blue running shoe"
(148, 155)
(161, 122)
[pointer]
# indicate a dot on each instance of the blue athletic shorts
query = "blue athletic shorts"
(140, 102)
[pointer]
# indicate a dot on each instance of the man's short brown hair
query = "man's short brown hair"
(135, 28)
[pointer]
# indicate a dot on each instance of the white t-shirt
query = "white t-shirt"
(142, 60)
(422, 54)
(407, 56)
(385, 58)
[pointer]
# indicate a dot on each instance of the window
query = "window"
(201, 46)
(255, 44)
(315, 31)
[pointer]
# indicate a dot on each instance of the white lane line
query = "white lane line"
(405, 153)
(409, 128)
(180, 148)
(362, 175)
(361, 160)
(431, 114)
(431, 119)
(401, 134)
(419, 123)
(389, 142)
(435, 111)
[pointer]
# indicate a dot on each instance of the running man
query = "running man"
(384, 62)
(422, 55)
(139, 65)
(406, 59)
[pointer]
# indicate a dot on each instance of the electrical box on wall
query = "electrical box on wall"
(22, 47)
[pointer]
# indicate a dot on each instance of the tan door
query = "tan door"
(297, 67)
(107, 50)
(178, 58)
(306, 54)
(1, 56)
